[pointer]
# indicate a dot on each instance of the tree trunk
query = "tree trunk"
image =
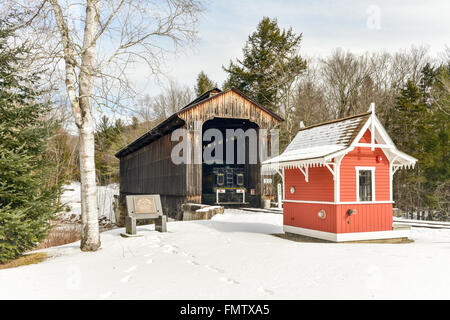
(90, 233)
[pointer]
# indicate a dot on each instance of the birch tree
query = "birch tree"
(97, 44)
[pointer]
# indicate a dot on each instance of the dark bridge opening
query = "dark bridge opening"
(231, 178)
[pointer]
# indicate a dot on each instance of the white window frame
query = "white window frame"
(358, 169)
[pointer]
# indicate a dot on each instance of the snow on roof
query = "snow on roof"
(318, 141)
(334, 133)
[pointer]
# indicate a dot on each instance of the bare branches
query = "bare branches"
(69, 58)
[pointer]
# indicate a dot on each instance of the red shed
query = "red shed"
(337, 179)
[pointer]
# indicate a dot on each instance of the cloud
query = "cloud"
(325, 25)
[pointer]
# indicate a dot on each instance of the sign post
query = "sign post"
(142, 207)
(280, 201)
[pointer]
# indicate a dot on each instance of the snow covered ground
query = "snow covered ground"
(105, 198)
(234, 256)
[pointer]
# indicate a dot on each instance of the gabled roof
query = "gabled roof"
(319, 144)
(338, 133)
(208, 96)
(203, 96)
(322, 139)
(174, 121)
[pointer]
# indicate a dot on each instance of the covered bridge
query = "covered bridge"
(146, 165)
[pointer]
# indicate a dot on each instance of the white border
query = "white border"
(358, 169)
(351, 236)
(340, 202)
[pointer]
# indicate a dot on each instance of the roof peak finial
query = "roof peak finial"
(372, 107)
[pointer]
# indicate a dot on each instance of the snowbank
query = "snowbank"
(234, 256)
(71, 197)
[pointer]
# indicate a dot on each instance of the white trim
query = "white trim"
(378, 133)
(340, 153)
(364, 168)
(361, 133)
(305, 172)
(382, 132)
(337, 178)
(338, 202)
(372, 182)
(350, 236)
(282, 179)
(331, 170)
(305, 201)
(372, 131)
(375, 145)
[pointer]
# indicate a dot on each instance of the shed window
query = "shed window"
(365, 185)
(240, 179)
(220, 179)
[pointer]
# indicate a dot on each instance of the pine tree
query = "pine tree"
(27, 200)
(204, 83)
(270, 63)
(420, 127)
(106, 139)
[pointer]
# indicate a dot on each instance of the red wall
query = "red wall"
(364, 157)
(319, 188)
(305, 215)
(369, 217)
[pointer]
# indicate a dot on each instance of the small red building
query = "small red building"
(337, 179)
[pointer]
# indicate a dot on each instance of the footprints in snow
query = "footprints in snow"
(126, 278)
(130, 269)
(266, 291)
(191, 259)
(170, 249)
(215, 269)
(194, 263)
(228, 280)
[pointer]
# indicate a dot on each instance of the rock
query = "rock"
(195, 211)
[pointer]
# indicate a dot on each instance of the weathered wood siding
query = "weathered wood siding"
(229, 104)
(151, 170)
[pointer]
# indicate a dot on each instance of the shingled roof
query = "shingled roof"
(323, 139)
(318, 144)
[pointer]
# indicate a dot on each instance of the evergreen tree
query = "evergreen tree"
(27, 200)
(204, 83)
(270, 64)
(107, 137)
(420, 127)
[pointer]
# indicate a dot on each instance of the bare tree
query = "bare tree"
(173, 97)
(98, 43)
(343, 74)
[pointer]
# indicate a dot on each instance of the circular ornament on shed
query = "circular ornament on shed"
(322, 214)
(292, 190)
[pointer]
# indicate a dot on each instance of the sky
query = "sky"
(358, 26)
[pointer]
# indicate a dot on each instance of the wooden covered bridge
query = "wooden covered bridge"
(146, 166)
